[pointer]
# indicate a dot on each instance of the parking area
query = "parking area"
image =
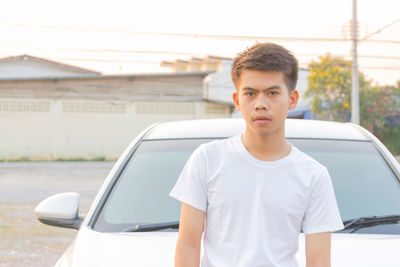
(24, 240)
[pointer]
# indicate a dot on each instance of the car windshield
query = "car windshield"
(364, 184)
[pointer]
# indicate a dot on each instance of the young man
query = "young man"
(251, 194)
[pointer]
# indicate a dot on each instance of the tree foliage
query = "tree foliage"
(376, 104)
(329, 87)
(330, 94)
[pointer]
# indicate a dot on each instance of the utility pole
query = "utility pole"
(355, 102)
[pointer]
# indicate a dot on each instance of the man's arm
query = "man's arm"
(318, 250)
(191, 228)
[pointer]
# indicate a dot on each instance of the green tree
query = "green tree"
(330, 87)
(377, 103)
(330, 94)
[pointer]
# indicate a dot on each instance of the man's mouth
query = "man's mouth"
(262, 119)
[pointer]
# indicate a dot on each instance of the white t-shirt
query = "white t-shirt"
(255, 209)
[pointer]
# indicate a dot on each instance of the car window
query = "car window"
(363, 182)
(141, 193)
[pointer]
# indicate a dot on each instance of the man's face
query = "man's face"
(264, 100)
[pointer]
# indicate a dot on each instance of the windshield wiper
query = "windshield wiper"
(152, 227)
(370, 221)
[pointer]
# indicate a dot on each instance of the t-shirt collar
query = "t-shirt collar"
(275, 163)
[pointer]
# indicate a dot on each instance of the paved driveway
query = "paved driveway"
(24, 240)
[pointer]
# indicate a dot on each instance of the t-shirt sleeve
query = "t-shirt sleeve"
(190, 187)
(322, 213)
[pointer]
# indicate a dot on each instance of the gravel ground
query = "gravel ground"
(24, 240)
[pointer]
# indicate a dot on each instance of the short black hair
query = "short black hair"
(267, 57)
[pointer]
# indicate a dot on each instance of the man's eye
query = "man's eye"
(249, 93)
(274, 93)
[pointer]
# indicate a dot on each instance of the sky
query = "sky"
(119, 37)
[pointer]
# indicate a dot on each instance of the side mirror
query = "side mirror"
(60, 210)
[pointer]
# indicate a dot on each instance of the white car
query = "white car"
(133, 221)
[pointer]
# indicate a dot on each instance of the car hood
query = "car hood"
(150, 249)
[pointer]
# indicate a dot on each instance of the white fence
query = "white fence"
(49, 129)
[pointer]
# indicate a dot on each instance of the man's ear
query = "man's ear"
(293, 99)
(235, 97)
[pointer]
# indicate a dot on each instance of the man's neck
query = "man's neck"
(268, 148)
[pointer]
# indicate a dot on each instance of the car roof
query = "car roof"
(222, 128)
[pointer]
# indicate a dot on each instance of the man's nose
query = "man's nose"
(261, 103)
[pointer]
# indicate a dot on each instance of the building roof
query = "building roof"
(211, 57)
(134, 75)
(52, 63)
(206, 59)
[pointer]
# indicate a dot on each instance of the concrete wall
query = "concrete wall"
(218, 86)
(50, 129)
(93, 117)
(302, 85)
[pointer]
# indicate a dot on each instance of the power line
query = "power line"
(380, 68)
(205, 36)
(107, 60)
(379, 57)
(379, 30)
(107, 50)
(152, 52)
(157, 62)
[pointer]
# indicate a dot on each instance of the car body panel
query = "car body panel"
(212, 128)
(155, 249)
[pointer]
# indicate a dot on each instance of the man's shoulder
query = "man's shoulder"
(219, 144)
(217, 150)
(306, 161)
